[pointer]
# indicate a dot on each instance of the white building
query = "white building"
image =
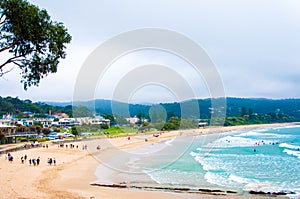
(133, 120)
(66, 122)
(96, 120)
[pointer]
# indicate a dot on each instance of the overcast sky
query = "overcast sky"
(255, 45)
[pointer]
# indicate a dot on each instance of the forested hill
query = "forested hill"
(235, 107)
(17, 107)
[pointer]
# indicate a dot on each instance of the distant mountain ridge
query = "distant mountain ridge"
(233, 106)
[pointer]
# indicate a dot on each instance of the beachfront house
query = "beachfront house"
(65, 122)
(132, 120)
(46, 122)
(98, 120)
(26, 122)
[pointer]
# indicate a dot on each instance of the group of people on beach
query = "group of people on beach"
(51, 161)
(34, 161)
(31, 161)
(71, 146)
(23, 159)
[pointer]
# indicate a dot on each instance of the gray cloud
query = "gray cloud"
(254, 44)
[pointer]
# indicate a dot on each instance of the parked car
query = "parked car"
(66, 135)
(86, 134)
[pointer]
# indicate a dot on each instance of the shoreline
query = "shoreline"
(75, 170)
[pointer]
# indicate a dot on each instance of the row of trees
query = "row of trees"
(258, 119)
(174, 123)
(249, 117)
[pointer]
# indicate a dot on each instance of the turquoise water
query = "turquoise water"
(262, 159)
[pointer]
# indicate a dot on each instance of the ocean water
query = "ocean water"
(266, 159)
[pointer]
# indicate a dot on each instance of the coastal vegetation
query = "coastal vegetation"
(239, 111)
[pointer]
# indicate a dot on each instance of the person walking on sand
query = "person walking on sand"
(10, 158)
(54, 161)
(29, 162)
(38, 161)
(22, 160)
(25, 157)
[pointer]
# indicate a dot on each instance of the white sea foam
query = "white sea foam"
(287, 127)
(200, 159)
(289, 146)
(264, 135)
(231, 181)
(153, 177)
(261, 186)
(193, 154)
(291, 152)
(248, 184)
(233, 141)
(241, 180)
(213, 162)
(216, 179)
(250, 133)
(208, 165)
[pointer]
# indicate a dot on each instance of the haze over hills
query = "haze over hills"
(191, 108)
(236, 111)
(234, 106)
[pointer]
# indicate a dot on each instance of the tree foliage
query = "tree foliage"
(2, 136)
(74, 130)
(31, 40)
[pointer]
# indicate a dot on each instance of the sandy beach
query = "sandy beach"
(75, 168)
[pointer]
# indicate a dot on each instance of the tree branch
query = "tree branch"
(16, 62)
(2, 15)
(5, 48)
(2, 19)
(10, 60)
(3, 73)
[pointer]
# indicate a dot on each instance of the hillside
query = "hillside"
(18, 107)
(235, 107)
